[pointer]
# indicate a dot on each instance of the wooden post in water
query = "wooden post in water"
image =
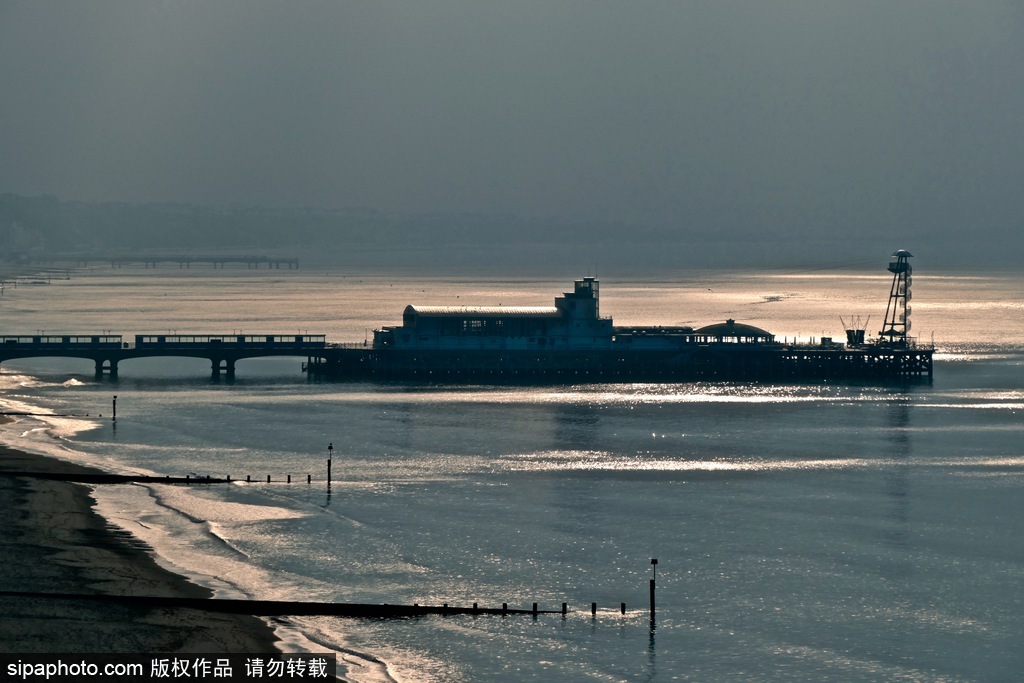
(654, 576)
(622, 607)
(593, 609)
(330, 456)
(565, 608)
(115, 408)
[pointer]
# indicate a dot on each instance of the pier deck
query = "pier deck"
(107, 351)
(356, 361)
(725, 362)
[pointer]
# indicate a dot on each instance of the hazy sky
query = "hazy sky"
(799, 117)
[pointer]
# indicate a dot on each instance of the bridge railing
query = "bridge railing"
(63, 341)
(235, 341)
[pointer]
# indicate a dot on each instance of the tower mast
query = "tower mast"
(897, 313)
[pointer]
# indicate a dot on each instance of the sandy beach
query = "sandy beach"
(52, 540)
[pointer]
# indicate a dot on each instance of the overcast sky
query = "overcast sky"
(782, 116)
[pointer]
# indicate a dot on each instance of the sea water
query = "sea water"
(807, 532)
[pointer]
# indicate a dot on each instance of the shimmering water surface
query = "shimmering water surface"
(803, 532)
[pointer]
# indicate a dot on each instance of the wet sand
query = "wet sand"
(52, 540)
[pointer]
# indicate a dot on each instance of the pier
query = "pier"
(571, 343)
(184, 261)
(107, 351)
(568, 343)
(356, 361)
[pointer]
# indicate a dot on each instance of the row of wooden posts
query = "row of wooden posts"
(535, 609)
(207, 479)
(504, 605)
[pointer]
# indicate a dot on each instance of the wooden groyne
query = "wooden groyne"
(294, 608)
(104, 478)
(274, 608)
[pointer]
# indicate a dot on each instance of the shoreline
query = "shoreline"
(57, 542)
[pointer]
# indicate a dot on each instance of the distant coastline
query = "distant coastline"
(10, 271)
(36, 228)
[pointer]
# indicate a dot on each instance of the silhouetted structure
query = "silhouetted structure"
(571, 342)
(106, 351)
(897, 313)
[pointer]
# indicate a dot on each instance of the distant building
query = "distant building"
(574, 322)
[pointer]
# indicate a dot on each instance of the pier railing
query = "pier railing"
(53, 341)
(107, 350)
(228, 341)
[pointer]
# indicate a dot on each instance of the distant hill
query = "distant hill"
(47, 224)
(33, 228)
(40, 227)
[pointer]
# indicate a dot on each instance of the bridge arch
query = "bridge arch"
(108, 351)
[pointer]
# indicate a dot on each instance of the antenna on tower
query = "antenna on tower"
(897, 313)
